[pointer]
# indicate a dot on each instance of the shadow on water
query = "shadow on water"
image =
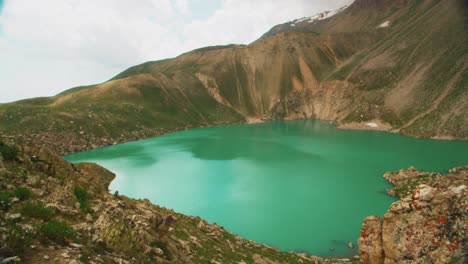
(136, 154)
(241, 148)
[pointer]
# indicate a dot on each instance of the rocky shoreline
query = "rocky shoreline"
(65, 143)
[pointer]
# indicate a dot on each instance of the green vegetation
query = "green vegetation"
(405, 188)
(83, 198)
(7, 152)
(18, 240)
(345, 70)
(59, 232)
(23, 193)
(37, 210)
(5, 200)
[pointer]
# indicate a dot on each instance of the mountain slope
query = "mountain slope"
(399, 64)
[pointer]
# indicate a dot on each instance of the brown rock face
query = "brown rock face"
(370, 241)
(428, 226)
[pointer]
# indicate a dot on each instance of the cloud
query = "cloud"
(51, 45)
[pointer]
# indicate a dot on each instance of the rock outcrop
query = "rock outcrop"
(428, 224)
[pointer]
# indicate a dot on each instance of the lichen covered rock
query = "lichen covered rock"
(429, 226)
(370, 241)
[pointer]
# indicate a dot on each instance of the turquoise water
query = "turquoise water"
(295, 185)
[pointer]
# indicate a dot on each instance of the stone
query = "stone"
(159, 251)
(201, 224)
(351, 245)
(424, 192)
(458, 189)
(75, 245)
(89, 218)
(400, 206)
(422, 196)
(46, 257)
(14, 259)
(33, 180)
(14, 217)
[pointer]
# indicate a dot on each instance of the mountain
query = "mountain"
(378, 64)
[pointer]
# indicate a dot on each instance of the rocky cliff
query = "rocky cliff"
(401, 65)
(427, 224)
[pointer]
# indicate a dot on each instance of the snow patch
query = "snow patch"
(384, 24)
(374, 125)
(317, 17)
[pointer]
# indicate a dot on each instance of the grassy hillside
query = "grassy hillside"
(402, 64)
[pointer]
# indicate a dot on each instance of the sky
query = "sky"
(49, 46)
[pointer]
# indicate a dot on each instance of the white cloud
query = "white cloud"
(51, 45)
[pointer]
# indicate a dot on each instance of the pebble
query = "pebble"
(89, 218)
(75, 245)
(14, 216)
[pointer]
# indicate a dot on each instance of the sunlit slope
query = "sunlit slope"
(403, 63)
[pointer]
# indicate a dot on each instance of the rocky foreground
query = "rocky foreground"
(427, 225)
(57, 212)
(53, 211)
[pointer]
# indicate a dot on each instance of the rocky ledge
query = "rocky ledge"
(427, 225)
(53, 211)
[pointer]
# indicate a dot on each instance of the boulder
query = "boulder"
(424, 193)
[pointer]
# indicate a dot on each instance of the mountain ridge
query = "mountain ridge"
(401, 65)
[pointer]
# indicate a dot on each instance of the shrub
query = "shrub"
(83, 197)
(17, 239)
(58, 231)
(5, 200)
(7, 152)
(23, 193)
(37, 211)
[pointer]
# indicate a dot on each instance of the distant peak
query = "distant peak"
(305, 24)
(317, 17)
